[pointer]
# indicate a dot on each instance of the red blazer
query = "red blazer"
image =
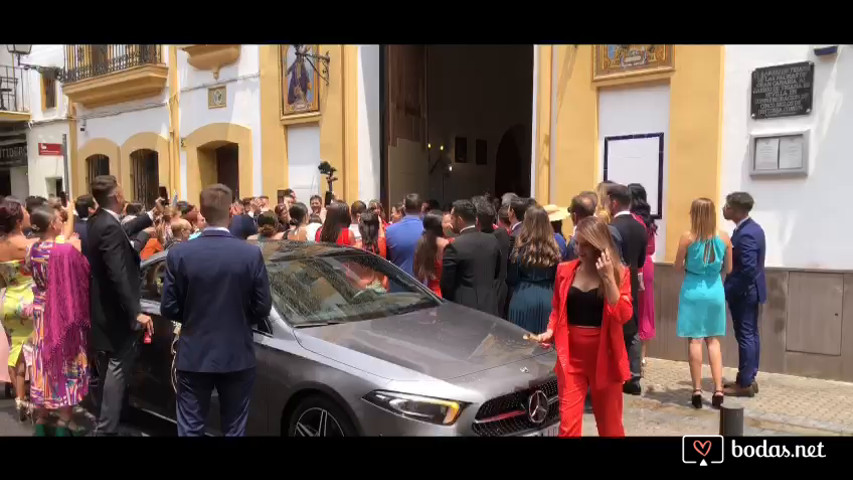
(612, 364)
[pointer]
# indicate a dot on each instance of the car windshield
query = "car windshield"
(343, 287)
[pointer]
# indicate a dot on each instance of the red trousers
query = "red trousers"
(575, 381)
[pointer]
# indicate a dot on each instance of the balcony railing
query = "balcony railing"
(14, 89)
(89, 61)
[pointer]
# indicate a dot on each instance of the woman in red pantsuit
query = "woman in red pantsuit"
(592, 300)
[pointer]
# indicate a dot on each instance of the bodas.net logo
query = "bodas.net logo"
(702, 449)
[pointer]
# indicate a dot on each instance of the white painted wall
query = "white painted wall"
(243, 102)
(18, 179)
(802, 217)
(47, 166)
(119, 122)
(303, 156)
(368, 123)
(45, 56)
(637, 110)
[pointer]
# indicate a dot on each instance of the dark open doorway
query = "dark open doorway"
(437, 99)
(96, 165)
(228, 166)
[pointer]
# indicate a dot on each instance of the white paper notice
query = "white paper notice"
(766, 153)
(791, 152)
(636, 160)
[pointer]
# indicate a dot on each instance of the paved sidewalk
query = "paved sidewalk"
(787, 405)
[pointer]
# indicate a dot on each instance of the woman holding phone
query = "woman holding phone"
(591, 302)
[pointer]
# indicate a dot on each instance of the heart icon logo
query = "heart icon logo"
(704, 448)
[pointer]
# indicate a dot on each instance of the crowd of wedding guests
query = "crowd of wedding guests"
(590, 293)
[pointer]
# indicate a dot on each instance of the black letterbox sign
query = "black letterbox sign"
(782, 90)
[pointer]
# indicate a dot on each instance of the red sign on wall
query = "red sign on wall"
(50, 149)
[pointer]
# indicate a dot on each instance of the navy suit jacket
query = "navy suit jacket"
(80, 228)
(747, 281)
(243, 226)
(217, 287)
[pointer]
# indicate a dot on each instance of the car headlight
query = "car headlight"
(427, 409)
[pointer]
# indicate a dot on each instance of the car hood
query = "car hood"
(444, 342)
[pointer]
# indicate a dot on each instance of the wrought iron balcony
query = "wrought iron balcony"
(97, 75)
(88, 61)
(14, 90)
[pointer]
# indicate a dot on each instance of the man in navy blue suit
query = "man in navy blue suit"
(746, 289)
(217, 287)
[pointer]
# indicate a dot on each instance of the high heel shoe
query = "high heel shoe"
(717, 399)
(696, 399)
(23, 408)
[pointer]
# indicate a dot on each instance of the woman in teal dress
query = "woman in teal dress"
(704, 254)
(532, 270)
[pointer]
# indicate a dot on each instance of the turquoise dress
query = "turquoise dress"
(702, 303)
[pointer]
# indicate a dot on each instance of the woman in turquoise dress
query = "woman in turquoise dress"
(704, 254)
(532, 270)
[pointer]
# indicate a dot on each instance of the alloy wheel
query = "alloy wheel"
(317, 422)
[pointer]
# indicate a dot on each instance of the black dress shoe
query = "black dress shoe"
(632, 387)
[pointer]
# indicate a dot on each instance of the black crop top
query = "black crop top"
(584, 309)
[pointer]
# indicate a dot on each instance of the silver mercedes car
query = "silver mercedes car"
(355, 346)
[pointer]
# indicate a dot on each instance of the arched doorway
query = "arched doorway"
(513, 162)
(144, 176)
(97, 164)
(219, 163)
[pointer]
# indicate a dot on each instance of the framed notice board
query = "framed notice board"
(782, 90)
(637, 159)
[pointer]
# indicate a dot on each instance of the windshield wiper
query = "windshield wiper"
(321, 323)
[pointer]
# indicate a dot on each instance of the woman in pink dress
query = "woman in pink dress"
(646, 299)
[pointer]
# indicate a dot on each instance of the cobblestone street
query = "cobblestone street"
(787, 405)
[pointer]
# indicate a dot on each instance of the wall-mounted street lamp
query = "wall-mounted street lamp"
(303, 52)
(49, 72)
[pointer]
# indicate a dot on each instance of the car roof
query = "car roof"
(278, 250)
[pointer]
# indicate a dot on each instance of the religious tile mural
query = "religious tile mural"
(300, 82)
(613, 61)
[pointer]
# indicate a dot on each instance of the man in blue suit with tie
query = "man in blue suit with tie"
(217, 287)
(746, 289)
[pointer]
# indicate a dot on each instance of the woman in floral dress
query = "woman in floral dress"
(60, 314)
(17, 292)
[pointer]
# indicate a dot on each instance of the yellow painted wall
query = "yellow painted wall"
(174, 183)
(542, 142)
(273, 135)
(695, 134)
(199, 146)
(575, 104)
(695, 131)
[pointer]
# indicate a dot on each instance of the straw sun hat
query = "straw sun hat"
(555, 213)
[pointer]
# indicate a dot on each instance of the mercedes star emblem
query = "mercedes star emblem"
(537, 407)
(525, 370)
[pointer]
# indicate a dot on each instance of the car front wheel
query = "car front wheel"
(318, 416)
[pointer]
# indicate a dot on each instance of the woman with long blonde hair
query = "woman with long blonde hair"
(531, 273)
(602, 208)
(704, 253)
(591, 303)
